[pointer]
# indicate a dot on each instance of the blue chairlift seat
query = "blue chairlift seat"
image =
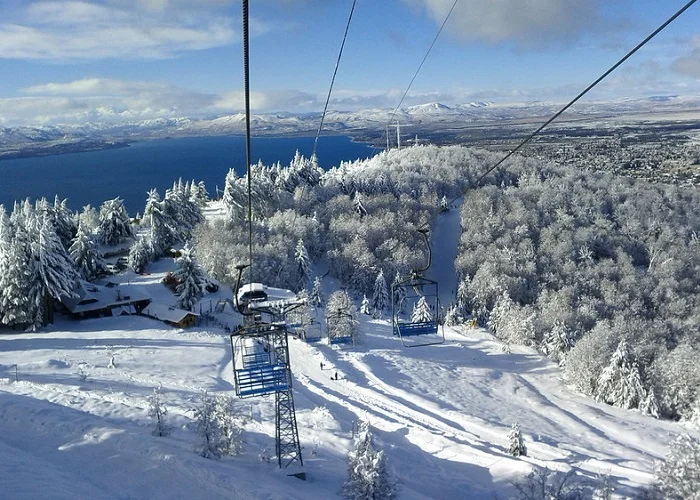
(342, 340)
(261, 379)
(418, 328)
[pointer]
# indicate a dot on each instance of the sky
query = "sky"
(72, 62)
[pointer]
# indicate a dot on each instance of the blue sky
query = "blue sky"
(115, 60)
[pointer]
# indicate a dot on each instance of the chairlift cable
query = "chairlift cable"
(246, 76)
(335, 71)
(420, 66)
(527, 139)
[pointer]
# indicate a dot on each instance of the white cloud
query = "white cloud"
(522, 22)
(81, 30)
(689, 65)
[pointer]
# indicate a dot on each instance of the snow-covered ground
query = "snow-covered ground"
(74, 428)
(71, 426)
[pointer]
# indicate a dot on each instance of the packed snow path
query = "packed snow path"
(441, 413)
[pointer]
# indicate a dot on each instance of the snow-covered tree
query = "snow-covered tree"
(444, 204)
(159, 413)
(557, 342)
(191, 278)
(89, 218)
(316, 295)
(368, 477)
(63, 221)
(380, 296)
(678, 477)
(516, 446)
(399, 293)
(208, 430)
(115, 226)
(453, 316)
(87, 259)
(364, 307)
(301, 257)
(620, 383)
(421, 311)
(56, 272)
(359, 205)
(16, 305)
(235, 196)
(140, 254)
(218, 427)
(230, 426)
(152, 204)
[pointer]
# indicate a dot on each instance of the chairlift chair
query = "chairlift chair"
(415, 316)
(339, 325)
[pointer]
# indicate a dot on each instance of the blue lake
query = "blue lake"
(94, 176)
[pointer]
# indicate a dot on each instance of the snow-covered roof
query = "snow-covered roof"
(166, 313)
(92, 297)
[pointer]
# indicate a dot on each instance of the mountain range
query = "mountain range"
(367, 125)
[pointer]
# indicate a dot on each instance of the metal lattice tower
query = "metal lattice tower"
(261, 367)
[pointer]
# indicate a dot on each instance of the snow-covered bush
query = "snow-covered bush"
(159, 413)
(368, 477)
(545, 484)
(516, 446)
(678, 477)
(218, 427)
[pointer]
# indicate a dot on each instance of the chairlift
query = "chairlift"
(340, 328)
(259, 367)
(415, 316)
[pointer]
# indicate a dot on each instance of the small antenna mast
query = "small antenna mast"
(398, 135)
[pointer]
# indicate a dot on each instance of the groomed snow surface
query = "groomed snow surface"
(72, 427)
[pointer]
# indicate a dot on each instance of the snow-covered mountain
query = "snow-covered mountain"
(434, 117)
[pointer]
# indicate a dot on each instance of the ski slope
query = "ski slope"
(72, 426)
(441, 413)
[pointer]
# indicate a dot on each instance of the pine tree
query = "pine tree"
(368, 477)
(140, 254)
(159, 413)
(453, 317)
(620, 383)
(5, 241)
(399, 293)
(191, 278)
(64, 221)
(380, 297)
(115, 226)
(55, 270)
(364, 308)
(152, 204)
(87, 259)
(234, 197)
(421, 311)
(15, 303)
(316, 295)
(301, 257)
(516, 446)
(89, 218)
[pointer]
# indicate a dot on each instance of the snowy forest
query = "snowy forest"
(46, 248)
(596, 271)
